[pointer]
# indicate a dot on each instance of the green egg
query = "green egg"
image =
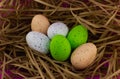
(77, 36)
(60, 48)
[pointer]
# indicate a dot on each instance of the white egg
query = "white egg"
(38, 41)
(57, 28)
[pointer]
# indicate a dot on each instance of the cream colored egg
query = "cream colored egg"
(83, 56)
(40, 23)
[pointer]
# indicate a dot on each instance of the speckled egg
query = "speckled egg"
(40, 23)
(77, 36)
(84, 55)
(57, 28)
(38, 41)
(60, 48)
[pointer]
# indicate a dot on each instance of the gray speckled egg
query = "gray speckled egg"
(57, 28)
(38, 41)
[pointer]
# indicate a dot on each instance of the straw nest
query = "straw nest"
(17, 60)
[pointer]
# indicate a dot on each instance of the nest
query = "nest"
(18, 61)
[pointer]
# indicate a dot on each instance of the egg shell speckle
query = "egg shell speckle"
(57, 28)
(38, 41)
(60, 48)
(40, 23)
(83, 56)
(77, 36)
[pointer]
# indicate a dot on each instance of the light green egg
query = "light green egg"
(77, 36)
(60, 48)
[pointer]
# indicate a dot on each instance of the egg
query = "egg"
(60, 48)
(77, 36)
(38, 41)
(84, 55)
(40, 23)
(57, 28)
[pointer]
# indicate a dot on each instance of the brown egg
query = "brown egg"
(40, 23)
(83, 56)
